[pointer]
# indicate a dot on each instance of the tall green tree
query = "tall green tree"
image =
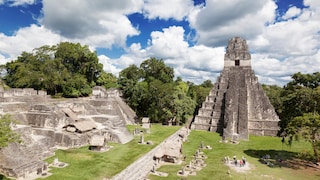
(57, 76)
(160, 101)
(79, 59)
(184, 105)
(301, 95)
(128, 80)
(108, 80)
(7, 135)
(199, 93)
(156, 69)
(306, 126)
(151, 91)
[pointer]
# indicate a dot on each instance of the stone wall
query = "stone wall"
(22, 92)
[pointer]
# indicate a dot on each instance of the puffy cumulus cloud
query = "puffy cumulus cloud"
(195, 64)
(26, 39)
(291, 13)
(134, 55)
(177, 9)
(292, 38)
(102, 23)
(288, 46)
(108, 65)
(191, 63)
(218, 22)
(169, 43)
(199, 63)
(270, 70)
(274, 71)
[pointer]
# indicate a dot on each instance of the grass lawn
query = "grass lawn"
(253, 149)
(85, 164)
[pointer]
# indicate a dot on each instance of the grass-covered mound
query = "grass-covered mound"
(85, 164)
(292, 166)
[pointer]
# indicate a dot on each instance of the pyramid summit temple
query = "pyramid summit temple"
(237, 105)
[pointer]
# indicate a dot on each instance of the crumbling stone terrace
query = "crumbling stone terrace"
(46, 124)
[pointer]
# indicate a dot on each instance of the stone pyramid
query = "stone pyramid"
(237, 105)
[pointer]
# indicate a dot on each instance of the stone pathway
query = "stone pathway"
(144, 165)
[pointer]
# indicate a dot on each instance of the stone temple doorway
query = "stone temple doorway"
(237, 62)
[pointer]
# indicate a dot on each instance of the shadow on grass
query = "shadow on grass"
(281, 158)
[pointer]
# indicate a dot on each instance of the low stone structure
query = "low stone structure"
(146, 123)
(170, 151)
(97, 143)
(237, 105)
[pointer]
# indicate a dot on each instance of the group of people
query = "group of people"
(241, 162)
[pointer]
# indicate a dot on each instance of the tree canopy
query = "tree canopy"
(152, 91)
(306, 126)
(69, 69)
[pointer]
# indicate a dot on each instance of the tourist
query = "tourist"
(241, 163)
(244, 161)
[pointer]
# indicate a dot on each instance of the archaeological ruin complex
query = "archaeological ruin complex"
(46, 124)
(237, 105)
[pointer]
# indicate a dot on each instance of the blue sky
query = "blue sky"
(189, 35)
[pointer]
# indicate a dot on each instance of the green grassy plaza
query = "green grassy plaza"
(252, 150)
(85, 164)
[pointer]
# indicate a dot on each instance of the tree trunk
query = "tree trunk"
(315, 152)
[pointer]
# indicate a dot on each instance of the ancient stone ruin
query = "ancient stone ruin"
(46, 124)
(237, 105)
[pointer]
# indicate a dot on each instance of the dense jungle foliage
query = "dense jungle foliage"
(66, 69)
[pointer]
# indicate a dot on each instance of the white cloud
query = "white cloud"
(26, 39)
(176, 9)
(169, 43)
(291, 13)
(108, 65)
(218, 22)
(20, 2)
(100, 23)
(291, 38)
(195, 64)
(3, 59)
